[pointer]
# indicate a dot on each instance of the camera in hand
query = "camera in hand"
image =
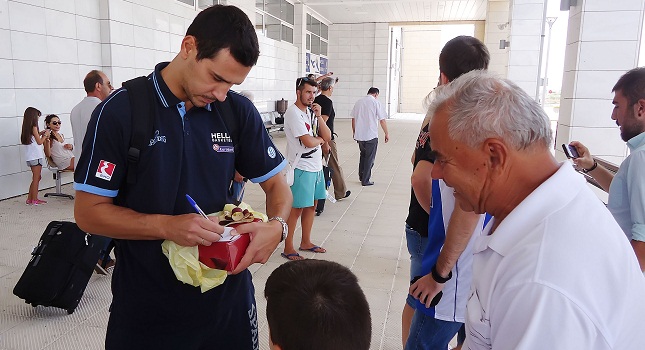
(436, 298)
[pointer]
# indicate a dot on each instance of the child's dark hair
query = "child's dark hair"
(317, 304)
(29, 120)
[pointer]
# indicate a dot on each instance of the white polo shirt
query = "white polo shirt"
(367, 113)
(79, 118)
(558, 273)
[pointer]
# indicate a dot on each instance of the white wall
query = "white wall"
(358, 55)
(597, 54)
(527, 17)
(47, 47)
(497, 15)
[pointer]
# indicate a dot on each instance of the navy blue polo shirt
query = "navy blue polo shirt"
(191, 152)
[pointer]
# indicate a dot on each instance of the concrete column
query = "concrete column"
(603, 42)
(498, 27)
(527, 18)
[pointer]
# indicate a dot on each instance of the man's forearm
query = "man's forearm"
(278, 197)
(602, 176)
(383, 125)
(639, 249)
(460, 229)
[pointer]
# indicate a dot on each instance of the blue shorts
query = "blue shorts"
(428, 333)
(307, 187)
(416, 247)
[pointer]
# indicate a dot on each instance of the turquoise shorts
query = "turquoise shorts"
(307, 187)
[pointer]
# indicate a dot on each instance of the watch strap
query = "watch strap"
(437, 277)
(285, 227)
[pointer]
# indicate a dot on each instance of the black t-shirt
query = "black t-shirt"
(327, 108)
(417, 217)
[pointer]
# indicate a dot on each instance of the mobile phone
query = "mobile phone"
(570, 151)
(436, 298)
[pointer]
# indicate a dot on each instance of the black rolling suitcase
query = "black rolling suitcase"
(60, 267)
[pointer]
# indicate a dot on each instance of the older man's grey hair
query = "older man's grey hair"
(482, 106)
(326, 83)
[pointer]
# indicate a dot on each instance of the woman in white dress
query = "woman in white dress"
(32, 140)
(59, 151)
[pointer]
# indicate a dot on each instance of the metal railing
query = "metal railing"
(613, 168)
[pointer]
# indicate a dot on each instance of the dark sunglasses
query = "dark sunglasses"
(57, 123)
(303, 80)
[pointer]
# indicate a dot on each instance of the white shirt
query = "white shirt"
(296, 124)
(452, 306)
(367, 113)
(557, 273)
(626, 199)
(33, 150)
(79, 118)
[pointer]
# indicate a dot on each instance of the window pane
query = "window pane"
(315, 45)
(287, 34)
(309, 21)
(206, 3)
(273, 27)
(189, 2)
(309, 42)
(273, 7)
(259, 23)
(287, 12)
(323, 48)
(324, 31)
(315, 26)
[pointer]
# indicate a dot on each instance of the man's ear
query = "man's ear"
(497, 153)
(639, 108)
(188, 44)
(443, 79)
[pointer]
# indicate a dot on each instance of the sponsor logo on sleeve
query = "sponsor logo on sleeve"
(271, 152)
(105, 170)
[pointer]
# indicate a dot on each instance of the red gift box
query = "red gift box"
(224, 255)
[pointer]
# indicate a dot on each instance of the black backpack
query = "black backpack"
(142, 108)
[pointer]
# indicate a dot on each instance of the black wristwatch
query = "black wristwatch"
(437, 277)
(285, 228)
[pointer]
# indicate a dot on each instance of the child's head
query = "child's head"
(317, 304)
(29, 120)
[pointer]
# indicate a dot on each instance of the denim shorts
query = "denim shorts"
(416, 247)
(428, 333)
(35, 162)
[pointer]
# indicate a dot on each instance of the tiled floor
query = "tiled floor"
(364, 232)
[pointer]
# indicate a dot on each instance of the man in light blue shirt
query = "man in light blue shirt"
(627, 188)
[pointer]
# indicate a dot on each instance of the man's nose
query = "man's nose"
(437, 171)
(220, 92)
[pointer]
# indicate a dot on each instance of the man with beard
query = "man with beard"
(627, 189)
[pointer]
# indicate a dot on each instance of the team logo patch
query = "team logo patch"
(271, 152)
(105, 170)
(223, 149)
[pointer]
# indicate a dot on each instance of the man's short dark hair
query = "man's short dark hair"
(632, 85)
(461, 55)
(326, 83)
(301, 82)
(372, 91)
(317, 304)
(93, 77)
(225, 27)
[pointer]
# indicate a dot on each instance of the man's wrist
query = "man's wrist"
(437, 277)
(592, 168)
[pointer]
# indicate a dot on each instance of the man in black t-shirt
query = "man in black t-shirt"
(329, 149)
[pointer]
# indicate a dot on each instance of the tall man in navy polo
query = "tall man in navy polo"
(191, 152)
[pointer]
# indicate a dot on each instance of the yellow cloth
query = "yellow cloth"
(185, 263)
